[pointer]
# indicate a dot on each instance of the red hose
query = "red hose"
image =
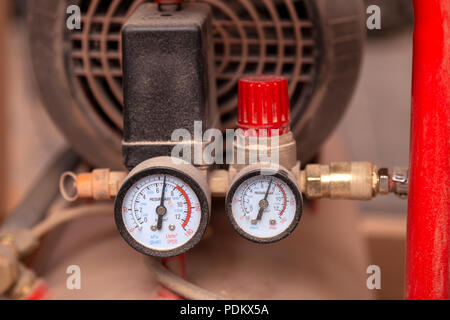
(427, 264)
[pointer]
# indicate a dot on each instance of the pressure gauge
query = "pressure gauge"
(264, 205)
(162, 209)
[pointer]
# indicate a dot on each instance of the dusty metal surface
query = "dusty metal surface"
(316, 44)
(250, 38)
(169, 78)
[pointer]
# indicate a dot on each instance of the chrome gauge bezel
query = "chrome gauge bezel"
(129, 183)
(281, 174)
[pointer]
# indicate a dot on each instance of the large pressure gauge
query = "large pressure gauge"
(263, 205)
(163, 208)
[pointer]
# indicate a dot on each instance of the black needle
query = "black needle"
(263, 204)
(161, 210)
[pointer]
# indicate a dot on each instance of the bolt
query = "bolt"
(383, 181)
(171, 227)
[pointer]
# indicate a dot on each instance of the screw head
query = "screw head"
(263, 204)
(160, 210)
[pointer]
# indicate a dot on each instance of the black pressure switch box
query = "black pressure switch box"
(168, 75)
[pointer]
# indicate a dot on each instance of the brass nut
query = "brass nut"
(383, 181)
(313, 181)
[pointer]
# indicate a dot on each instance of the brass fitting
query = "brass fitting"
(100, 184)
(9, 268)
(340, 180)
(284, 146)
(26, 283)
(14, 244)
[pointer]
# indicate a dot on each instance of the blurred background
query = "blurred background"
(375, 127)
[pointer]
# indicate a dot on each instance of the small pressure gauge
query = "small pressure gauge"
(163, 208)
(264, 205)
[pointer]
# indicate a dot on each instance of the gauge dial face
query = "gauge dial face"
(264, 208)
(161, 212)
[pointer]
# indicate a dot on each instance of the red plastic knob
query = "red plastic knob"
(264, 104)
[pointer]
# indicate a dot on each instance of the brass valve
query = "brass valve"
(350, 180)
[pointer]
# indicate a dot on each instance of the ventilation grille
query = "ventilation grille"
(250, 37)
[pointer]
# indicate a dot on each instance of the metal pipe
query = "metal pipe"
(427, 261)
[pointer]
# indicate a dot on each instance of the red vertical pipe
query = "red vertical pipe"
(427, 262)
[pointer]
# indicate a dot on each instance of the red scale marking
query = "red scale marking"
(285, 199)
(188, 217)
